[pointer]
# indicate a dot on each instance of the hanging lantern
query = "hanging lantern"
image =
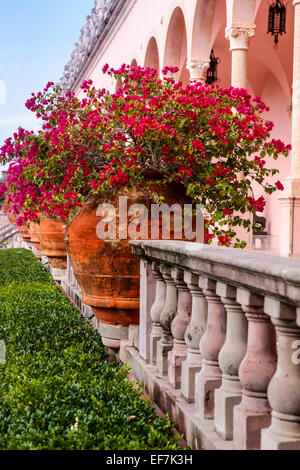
(277, 20)
(211, 74)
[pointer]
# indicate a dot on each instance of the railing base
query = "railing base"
(162, 356)
(224, 404)
(248, 425)
(112, 334)
(283, 434)
(58, 275)
(270, 441)
(199, 433)
(188, 373)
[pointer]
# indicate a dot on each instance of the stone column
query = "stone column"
(165, 344)
(255, 373)
(239, 38)
(193, 335)
(156, 309)
(212, 341)
(198, 69)
(284, 388)
(290, 198)
(239, 44)
(178, 326)
(230, 357)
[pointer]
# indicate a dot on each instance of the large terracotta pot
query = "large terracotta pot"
(51, 236)
(107, 270)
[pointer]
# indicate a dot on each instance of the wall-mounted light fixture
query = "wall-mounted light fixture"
(211, 75)
(277, 20)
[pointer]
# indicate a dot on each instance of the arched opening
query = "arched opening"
(152, 55)
(208, 33)
(220, 44)
(176, 45)
(263, 57)
(241, 12)
(119, 81)
(202, 28)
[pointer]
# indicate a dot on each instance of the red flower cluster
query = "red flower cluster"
(224, 240)
(200, 135)
(279, 186)
(257, 204)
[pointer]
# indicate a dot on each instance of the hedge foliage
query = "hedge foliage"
(57, 391)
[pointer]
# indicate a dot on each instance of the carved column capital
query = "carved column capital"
(239, 37)
(199, 66)
(198, 69)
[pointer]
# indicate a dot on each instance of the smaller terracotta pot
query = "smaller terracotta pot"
(34, 236)
(51, 236)
(25, 233)
(12, 218)
(6, 209)
(5, 205)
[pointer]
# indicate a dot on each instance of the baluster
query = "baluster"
(178, 326)
(69, 271)
(156, 310)
(284, 388)
(193, 335)
(209, 378)
(230, 357)
(147, 293)
(165, 344)
(255, 373)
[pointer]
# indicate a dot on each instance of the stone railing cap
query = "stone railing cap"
(260, 271)
(263, 263)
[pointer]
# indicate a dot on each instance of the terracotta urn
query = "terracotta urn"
(34, 236)
(25, 233)
(5, 205)
(106, 269)
(50, 233)
(12, 218)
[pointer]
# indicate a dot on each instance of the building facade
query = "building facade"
(183, 33)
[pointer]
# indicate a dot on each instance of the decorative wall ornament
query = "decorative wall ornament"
(277, 20)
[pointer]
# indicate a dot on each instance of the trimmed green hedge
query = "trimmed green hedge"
(56, 389)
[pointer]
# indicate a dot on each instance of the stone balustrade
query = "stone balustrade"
(224, 355)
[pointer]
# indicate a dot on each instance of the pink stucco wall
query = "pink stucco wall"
(173, 32)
